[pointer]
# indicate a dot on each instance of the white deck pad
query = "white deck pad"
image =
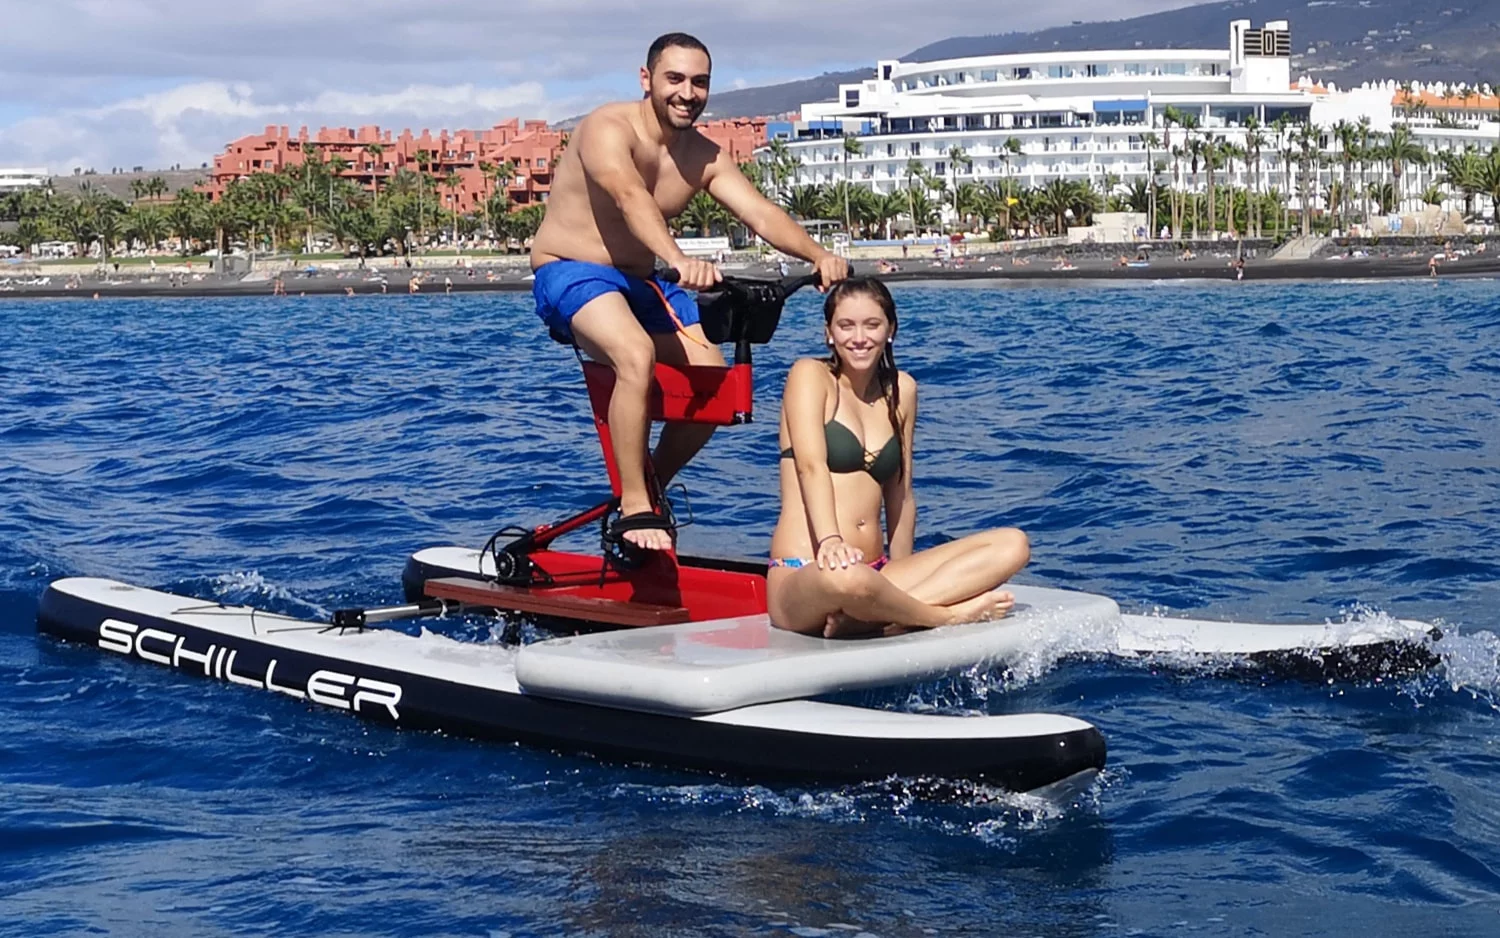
(489, 667)
(1124, 635)
(705, 667)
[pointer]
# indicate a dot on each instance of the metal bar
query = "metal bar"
(359, 618)
(546, 534)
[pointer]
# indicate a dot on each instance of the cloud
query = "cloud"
(188, 124)
(126, 82)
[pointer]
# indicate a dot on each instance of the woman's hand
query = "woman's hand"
(834, 554)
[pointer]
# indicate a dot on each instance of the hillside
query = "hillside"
(1343, 41)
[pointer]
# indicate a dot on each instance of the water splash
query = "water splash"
(249, 588)
(955, 807)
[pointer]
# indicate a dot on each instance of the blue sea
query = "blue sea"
(1280, 452)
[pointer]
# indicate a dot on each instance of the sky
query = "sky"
(101, 84)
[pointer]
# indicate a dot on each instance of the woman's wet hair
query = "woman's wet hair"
(886, 373)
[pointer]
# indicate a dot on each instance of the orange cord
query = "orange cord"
(673, 313)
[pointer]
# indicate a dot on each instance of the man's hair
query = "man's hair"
(680, 40)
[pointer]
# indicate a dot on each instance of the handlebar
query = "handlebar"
(786, 286)
(743, 310)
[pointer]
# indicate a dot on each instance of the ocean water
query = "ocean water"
(1271, 453)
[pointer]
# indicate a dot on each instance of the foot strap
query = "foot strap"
(622, 553)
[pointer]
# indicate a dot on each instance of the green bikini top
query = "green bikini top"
(847, 454)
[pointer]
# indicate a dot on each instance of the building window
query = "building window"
(1174, 68)
(1020, 72)
(1055, 71)
(541, 163)
(989, 74)
(890, 149)
(915, 149)
(1091, 70)
(940, 168)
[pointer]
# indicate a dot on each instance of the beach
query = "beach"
(438, 274)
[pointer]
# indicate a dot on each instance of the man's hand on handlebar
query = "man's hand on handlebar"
(696, 275)
(830, 269)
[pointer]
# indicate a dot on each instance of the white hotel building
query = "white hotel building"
(14, 180)
(1080, 115)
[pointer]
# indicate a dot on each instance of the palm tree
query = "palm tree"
(74, 217)
(336, 168)
(137, 189)
(1489, 180)
(1011, 147)
(1307, 143)
(109, 225)
(914, 171)
(781, 156)
(1195, 148)
(1230, 152)
(852, 147)
(1212, 153)
(1150, 141)
(957, 156)
(424, 160)
(146, 224)
(1137, 196)
(502, 174)
(1057, 198)
(804, 202)
(454, 181)
(703, 212)
(1384, 195)
(924, 211)
(375, 151)
(1191, 147)
(1362, 153)
(1347, 135)
(1281, 129)
(887, 208)
(1175, 191)
(757, 173)
(966, 202)
(185, 217)
(1463, 171)
(1029, 207)
(156, 187)
(1402, 149)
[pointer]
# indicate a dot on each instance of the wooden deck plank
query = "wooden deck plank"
(561, 605)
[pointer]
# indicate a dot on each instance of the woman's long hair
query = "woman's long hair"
(886, 373)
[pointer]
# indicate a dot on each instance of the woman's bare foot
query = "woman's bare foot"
(996, 604)
(838, 625)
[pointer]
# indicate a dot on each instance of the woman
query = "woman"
(846, 438)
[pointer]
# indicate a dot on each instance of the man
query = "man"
(628, 168)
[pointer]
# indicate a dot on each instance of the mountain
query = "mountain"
(1343, 41)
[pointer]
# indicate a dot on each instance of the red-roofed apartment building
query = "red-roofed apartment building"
(531, 146)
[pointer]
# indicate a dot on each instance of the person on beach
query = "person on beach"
(628, 168)
(847, 425)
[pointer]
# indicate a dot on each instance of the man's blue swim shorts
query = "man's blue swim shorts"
(562, 288)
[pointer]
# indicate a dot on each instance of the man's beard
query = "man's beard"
(667, 115)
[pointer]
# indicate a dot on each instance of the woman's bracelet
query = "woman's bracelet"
(819, 546)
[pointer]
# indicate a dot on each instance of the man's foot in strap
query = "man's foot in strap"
(646, 530)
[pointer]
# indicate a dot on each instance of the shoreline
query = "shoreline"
(396, 281)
